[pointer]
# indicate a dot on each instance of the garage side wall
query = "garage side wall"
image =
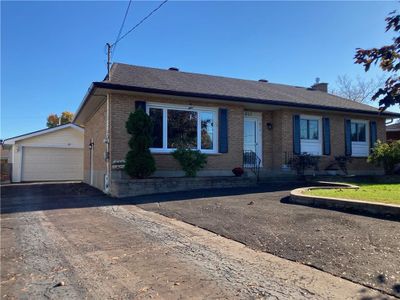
(95, 130)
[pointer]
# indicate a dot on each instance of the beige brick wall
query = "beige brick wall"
(122, 105)
(120, 108)
(282, 138)
(95, 129)
(275, 142)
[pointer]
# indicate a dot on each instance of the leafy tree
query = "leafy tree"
(386, 154)
(388, 58)
(139, 162)
(66, 117)
(54, 120)
(358, 89)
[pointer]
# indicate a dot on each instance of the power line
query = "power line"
(121, 28)
(111, 47)
(139, 23)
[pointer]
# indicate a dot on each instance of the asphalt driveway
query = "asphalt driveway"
(359, 248)
(70, 241)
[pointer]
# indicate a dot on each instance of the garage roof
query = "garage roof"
(14, 139)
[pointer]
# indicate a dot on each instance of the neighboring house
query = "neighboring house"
(5, 162)
(222, 117)
(393, 132)
(50, 154)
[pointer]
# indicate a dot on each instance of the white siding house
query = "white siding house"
(48, 155)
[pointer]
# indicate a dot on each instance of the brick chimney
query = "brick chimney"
(320, 86)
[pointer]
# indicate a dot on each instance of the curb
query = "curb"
(297, 196)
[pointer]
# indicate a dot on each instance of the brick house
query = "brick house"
(393, 132)
(222, 117)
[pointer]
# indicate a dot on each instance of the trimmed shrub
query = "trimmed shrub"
(304, 161)
(139, 161)
(386, 154)
(190, 160)
(342, 161)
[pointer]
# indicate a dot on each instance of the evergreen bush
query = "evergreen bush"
(139, 160)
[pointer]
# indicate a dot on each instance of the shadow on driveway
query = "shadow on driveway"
(34, 197)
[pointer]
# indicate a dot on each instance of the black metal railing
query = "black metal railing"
(252, 161)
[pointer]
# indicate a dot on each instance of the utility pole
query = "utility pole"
(108, 59)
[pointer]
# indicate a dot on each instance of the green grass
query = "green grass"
(374, 192)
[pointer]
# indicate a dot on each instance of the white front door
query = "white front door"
(252, 134)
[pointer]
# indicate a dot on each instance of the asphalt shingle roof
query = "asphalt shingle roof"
(178, 81)
(393, 127)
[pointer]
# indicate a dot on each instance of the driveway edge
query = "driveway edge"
(358, 206)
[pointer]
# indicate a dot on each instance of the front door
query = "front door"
(252, 137)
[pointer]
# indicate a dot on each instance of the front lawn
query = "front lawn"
(375, 192)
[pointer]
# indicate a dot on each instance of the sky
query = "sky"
(52, 51)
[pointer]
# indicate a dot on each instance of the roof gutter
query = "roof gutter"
(120, 87)
(84, 101)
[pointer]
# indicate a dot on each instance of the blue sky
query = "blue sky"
(52, 51)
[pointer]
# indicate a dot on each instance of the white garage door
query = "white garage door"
(41, 164)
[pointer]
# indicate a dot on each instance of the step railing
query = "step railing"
(252, 161)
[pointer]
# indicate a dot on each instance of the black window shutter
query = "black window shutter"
(326, 128)
(347, 137)
(296, 134)
(223, 130)
(140, 104)
(372, 133)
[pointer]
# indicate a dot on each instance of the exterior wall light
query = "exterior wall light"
(269, 126)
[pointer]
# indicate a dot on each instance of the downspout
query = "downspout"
(12, 163)
(107, 177)
(91, 150)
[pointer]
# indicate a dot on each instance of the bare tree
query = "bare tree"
(358, 89)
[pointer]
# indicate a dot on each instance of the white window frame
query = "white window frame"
(199, 109)
(314, 145)
(360, 149)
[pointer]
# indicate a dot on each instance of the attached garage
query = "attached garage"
(54, 154)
